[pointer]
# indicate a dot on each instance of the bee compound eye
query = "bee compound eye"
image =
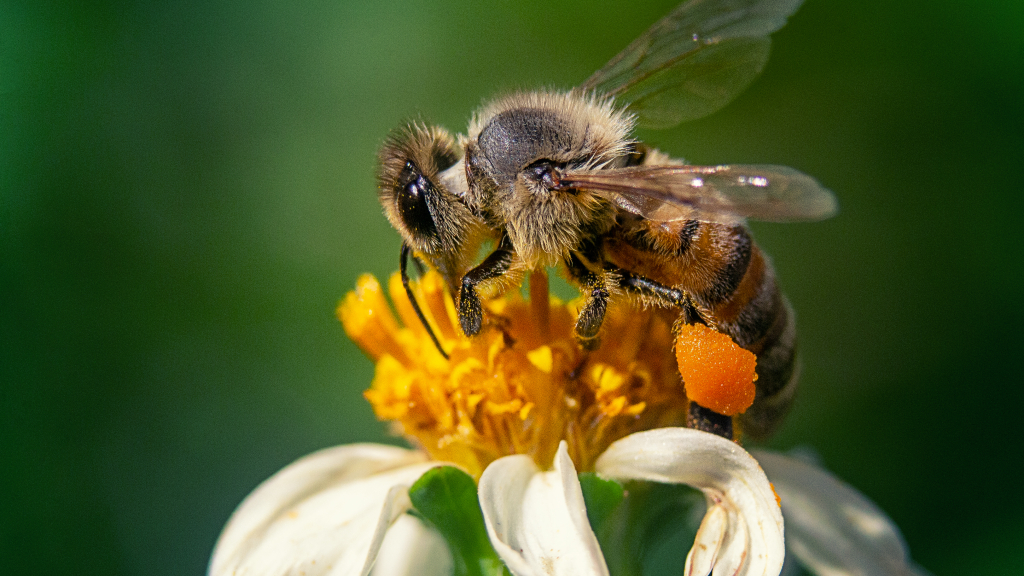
(413, 195)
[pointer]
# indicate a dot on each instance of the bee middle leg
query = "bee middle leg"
(591, 316)
(470, 310)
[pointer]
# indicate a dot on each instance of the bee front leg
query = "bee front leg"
(471, 312)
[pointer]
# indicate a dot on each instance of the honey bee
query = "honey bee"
(556, 179)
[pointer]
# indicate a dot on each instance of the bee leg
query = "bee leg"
(697, 416)
(591, 316)
(689, 313)
(471, 312)
(707, 420)
(588, 324)
(648, 287)
(403, 260)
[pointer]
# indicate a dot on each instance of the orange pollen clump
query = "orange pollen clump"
(520, 386)
(718, 373)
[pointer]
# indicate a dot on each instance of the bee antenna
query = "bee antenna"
(402, 261)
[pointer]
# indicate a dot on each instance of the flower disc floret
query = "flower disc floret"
(520, 386)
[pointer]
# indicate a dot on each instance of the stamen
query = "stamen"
(369, 321)
(540, 302)
(523, 384)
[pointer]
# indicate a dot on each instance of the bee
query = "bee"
(557, 179)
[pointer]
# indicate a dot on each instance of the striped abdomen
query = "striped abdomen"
(732, 287)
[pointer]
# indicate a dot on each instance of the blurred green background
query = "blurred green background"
(186, 191)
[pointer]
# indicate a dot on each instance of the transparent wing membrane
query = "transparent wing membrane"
(693, 61)
(724, 194)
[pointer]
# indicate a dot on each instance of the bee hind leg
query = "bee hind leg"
(697, 417)
(689, 313)
(707, 420)
(647, 287)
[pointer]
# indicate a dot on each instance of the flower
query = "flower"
(520, 387)
(327, 513)
(522, 409)
(831, 528)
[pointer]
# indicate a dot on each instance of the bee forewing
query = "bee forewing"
(693, 61)
(723, 194)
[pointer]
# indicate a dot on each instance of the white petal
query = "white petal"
(326, 513)
(708, 542)
(831, 528)
(729, 477)
(412, 548)
(537, 520)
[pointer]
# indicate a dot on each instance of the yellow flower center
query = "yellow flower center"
(520, 386)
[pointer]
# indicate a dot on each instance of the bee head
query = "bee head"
(421, 184)
(517, 149)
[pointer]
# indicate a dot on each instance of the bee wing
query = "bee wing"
(723, 194)
(693, 61)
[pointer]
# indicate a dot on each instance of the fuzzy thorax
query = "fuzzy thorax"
(515, 150)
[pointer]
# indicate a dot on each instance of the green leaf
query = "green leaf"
(649, 531)
(601, 497)
(446, 498)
